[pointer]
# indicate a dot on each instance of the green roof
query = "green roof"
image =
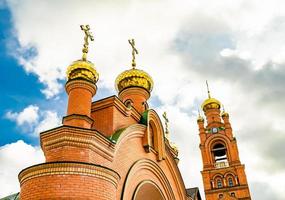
(115, 136)
(144, 116)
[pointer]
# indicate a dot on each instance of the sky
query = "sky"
(238, 46)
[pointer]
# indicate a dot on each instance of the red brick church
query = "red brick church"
(117, 148)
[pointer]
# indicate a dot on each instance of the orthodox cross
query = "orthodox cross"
(166, 125)
(199, 114)
(88, 35)
(209, 95)
(134, 52)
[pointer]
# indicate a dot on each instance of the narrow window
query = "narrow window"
(231, 183)
(219, 183)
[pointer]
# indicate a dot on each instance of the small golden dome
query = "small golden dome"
(200, 119)
(134, 78)
(210, 103)
(82, 70)
(225, 114)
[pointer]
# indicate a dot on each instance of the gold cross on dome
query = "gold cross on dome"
(134, 52)
(88, 35)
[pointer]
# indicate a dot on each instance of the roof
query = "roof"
(15, 196)
(193, 193)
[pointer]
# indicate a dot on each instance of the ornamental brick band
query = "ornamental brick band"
(72, 168)
(77, 83)
(68, 144)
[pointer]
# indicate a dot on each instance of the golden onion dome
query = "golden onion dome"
(225, 114)
(200, 119)
(211, 103)
(82, 69)
(134, 78)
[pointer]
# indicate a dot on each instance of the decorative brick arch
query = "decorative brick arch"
(163, 173)
(146, 170)
(131, 132)
(154, 126)
(214, 139)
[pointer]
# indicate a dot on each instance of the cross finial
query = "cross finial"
(209, 94)
(166, 125)
(134, 52)
(88, 35)
(199, 114)
(223, 107)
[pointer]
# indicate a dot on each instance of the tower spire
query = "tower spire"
(209, 94)
(134, 52)
(88, 35)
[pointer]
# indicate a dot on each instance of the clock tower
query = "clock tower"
(223, 174)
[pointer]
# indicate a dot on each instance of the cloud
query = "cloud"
(29, 115)
(13, 158)
(33, 120)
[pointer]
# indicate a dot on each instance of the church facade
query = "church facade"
(117, 148)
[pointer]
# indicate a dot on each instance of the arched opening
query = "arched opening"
(147, 190)
(218, 182)
(129, 103)
(151, 137)
(220, 155)
(230, 182)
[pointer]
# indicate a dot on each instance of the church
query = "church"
(117, 148)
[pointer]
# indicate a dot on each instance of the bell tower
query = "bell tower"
(223, 174)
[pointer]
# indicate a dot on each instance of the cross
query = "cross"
(88, 35)
(134, 52)
(166, 125)
(199, 114)
(209, 95)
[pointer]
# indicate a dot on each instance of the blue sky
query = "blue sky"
(239, 47)
(18, 89)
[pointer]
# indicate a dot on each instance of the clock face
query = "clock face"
(214, 130)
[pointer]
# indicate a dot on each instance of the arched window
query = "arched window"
(219, 183)
(129, 103)
(151, 136)
(230, 182)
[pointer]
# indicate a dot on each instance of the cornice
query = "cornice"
(78, 137)
(227, 189)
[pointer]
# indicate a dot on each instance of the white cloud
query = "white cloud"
(32, 120)
(180, 45)
(29, 115)
(50, 120)
(13, 158)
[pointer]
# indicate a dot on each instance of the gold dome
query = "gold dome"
(200, 119)
(81, 69)
(210, 103)
(225, 114)
(134, 78)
